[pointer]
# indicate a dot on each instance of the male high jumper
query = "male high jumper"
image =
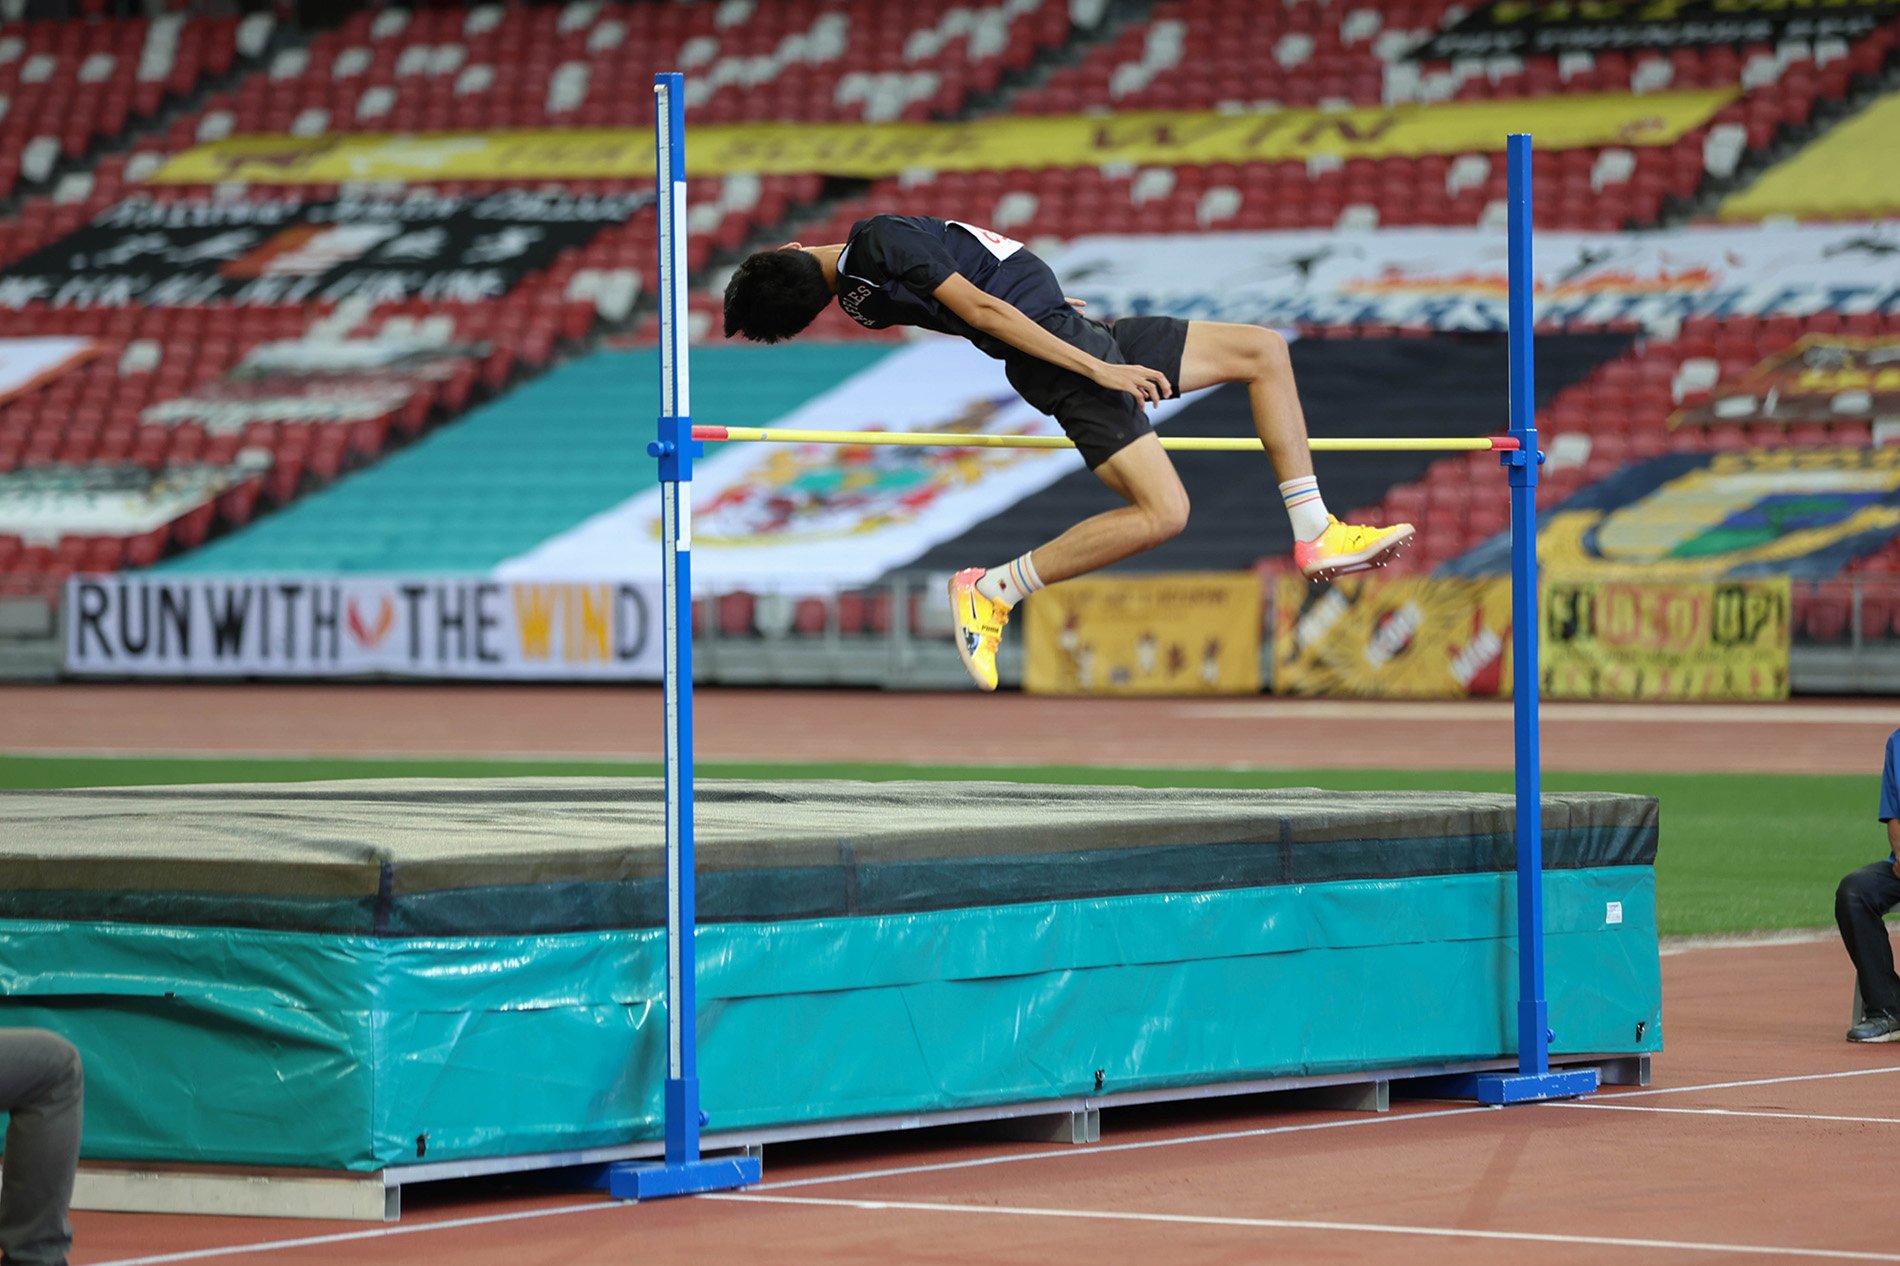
(1094, 379)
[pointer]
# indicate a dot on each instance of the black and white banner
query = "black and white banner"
(316, 380)
(267, 252)
(1457, 279)
(48, 502)
(1524, 27)
(286, 626)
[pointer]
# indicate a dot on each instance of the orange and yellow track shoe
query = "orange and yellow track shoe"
(980, 620)
(1346, 547)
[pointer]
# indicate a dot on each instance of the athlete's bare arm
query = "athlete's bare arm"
(992, 316)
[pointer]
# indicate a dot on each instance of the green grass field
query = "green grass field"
(1739, 852)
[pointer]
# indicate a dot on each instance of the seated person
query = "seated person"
(41, 1085)
(1863, 897)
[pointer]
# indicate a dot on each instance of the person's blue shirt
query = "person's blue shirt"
(1890, 782)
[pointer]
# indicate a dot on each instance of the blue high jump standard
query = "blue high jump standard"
(684, 1170)
(1534, 1079)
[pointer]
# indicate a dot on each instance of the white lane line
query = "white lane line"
(1615, 713)
(1722, 1112)
(377, 1233)
(1671, 945)
(345, 1237)
(1759, 1081)
(1099, 1149)
(1302, 1224)
(1225, 1135)
(899, 1171)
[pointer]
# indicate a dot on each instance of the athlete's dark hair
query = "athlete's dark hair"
(774, 295)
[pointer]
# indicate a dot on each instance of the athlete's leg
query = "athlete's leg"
(1157, 510)
(1218, 352)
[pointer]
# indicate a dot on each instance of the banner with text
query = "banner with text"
(1738, 515)
(1455, 279)
(1635, 640)
(815, 518)
(875, 150)
(267, 252)
(439, 627)
(1188, 633)
(1525, 27)
(1820, 378)
(1371, 638)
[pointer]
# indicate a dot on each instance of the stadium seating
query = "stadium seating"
(66, 87)
(1204, 55)
(443, 68)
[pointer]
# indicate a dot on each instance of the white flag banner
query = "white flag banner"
(467, 627)
(26, 363)
(816, 518)
(1455, 279)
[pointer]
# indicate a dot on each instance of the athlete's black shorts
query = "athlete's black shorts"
(1101, 422)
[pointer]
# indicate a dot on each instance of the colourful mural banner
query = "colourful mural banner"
(1188, 633)
(873, 150)
(1633, 640)
(1803, 512)
(1372, 638)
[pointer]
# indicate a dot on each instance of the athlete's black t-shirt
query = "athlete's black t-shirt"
(891, 263)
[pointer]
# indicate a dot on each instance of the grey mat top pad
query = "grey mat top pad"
(514, 856)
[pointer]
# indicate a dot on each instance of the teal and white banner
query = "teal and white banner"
(814, 518)
(470, 628)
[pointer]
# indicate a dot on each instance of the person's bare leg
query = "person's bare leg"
(1217, 352)
(1157, 510)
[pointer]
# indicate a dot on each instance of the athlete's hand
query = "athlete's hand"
(1075, 303)
(1149, 386)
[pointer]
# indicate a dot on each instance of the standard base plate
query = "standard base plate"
(650, 1181)
(1507, 1087)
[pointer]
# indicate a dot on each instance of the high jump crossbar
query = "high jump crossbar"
(684, 1171)
(1175, 443)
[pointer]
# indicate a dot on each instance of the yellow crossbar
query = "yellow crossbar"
(1178, 443)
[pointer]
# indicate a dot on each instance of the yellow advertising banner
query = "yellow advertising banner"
(1450, 638)
(1608, 639)
(872, 150)
(1372, 638)
(1849, 171)
(1188, 633)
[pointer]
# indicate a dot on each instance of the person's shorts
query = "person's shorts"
(1101, 422)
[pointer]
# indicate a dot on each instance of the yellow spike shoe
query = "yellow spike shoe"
(980, 620)
(1347, 547)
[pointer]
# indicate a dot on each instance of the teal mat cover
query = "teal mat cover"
(250, 1046)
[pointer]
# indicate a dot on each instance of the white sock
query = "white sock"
(1010, 583)
(1305, 507)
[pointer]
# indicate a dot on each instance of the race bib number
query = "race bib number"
(995, 243)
